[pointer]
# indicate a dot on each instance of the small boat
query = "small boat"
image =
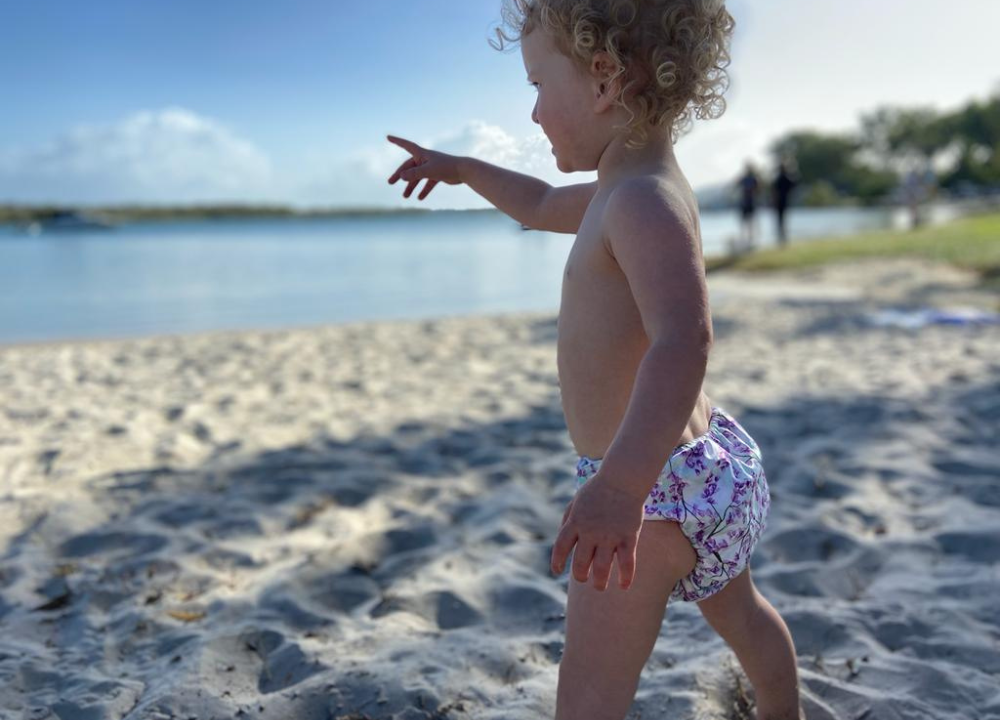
(68, 220)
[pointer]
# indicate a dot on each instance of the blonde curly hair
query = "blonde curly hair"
(671, 55)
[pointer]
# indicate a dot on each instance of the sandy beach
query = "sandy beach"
(355, 522)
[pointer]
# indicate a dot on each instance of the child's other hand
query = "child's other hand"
(603, 522)
(429, 165)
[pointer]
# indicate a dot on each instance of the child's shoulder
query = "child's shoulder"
(651, 233)
(650, 203)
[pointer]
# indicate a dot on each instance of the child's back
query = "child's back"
(668, 485)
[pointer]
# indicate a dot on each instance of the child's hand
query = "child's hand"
(602, 521)
(425, 164)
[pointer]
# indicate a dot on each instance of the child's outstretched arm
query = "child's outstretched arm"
(530, 201)
(656, 248)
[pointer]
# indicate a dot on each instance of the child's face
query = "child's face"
(566, 104)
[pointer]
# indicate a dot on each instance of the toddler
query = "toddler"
(671, 495)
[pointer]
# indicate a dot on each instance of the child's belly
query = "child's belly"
(601, 343)
(597, 371)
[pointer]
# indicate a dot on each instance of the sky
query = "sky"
(180, 101)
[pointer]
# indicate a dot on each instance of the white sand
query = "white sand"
(356, 522)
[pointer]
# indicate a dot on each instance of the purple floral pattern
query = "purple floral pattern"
(715, 488)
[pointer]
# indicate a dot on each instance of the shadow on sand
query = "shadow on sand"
(335, 534)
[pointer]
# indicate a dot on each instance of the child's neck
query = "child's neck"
(618, 162)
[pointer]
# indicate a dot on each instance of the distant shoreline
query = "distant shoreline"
(12, 214)
(22, 214)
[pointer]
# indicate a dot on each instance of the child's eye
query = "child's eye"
(534, 85)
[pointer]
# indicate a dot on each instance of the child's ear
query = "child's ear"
(603, 70)
(602, 66)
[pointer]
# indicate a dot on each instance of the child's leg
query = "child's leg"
(759, 637)
(610, 633)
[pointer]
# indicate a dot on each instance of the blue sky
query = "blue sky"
(156, 101)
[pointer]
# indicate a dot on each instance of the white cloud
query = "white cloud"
(361, 178)
(531, 154)
(177, 156)
(170, 155)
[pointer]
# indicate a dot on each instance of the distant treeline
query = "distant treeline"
(868, 165)
(133, 213)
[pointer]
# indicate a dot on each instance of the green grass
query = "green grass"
(972, 243)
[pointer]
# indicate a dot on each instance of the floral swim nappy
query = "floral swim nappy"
(714, 487)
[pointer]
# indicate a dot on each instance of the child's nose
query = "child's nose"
(534, 114)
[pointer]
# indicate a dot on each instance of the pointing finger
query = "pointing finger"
(410, 147)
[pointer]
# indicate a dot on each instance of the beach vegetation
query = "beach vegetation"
(971, 243)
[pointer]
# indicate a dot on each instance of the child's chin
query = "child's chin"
(567, 168)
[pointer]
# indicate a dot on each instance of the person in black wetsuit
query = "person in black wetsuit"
(748, 185)
(781, 189)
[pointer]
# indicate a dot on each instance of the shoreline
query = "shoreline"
(208, 334)
(13, 214)
(745, 265)
(729, 276)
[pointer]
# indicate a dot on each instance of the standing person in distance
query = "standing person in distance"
(781, 190)
(747, 186)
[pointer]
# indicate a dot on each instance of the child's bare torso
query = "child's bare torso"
(601, 340)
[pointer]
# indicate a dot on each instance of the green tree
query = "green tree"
(832, 160)
(818, 156)
(899, 138)
(977, 128)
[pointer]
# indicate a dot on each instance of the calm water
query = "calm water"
(192, 276)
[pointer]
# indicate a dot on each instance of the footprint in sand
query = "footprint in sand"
(257, 656)
(341, 591)
(975, 481)
(116, 543)
(444, 609)
(981, 546)
(523, 609)
(803, 544)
